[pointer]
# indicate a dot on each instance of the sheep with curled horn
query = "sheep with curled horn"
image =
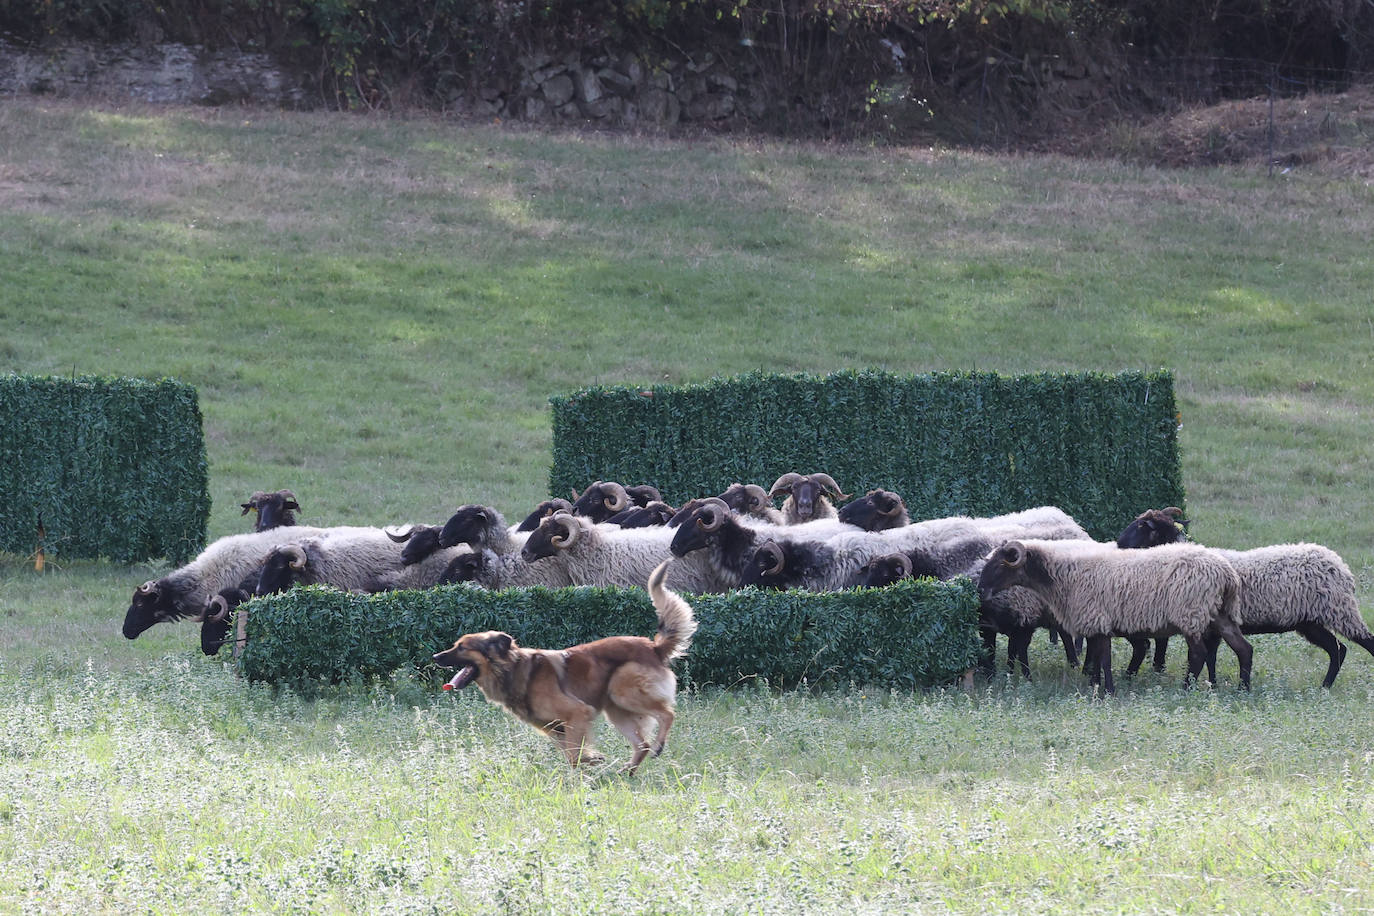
(603, 555)
(750, 499)
(491, 570)
(214, 620)
(601, 500)
(729, 540)
(184, 592)
(876, 510)
(542, 511)
(808, 496)
(272, 510)
(364, 560)
(1303, 588)
(643, 494)
(1099, 591)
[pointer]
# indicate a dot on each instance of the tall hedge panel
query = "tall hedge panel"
(113, 467)
(913, 634)
(1103, 447)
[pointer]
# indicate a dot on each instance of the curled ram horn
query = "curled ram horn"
(712, 512)
(770, 550)
(148, 588)
(1014, 553)
(254, 502)
(297, 555)
(568, 525)
(221, 609)
(903, 563)
(828, 482)
(758, 497)
(289, 500)
(784, 484)
(615, 498)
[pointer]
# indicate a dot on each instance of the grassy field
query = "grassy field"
(375, 311)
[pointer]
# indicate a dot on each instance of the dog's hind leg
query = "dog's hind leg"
(635, 728)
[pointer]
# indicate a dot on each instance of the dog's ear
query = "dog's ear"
(499, 644)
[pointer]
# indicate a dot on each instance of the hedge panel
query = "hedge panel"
(1103, 447)
(913, 634)
(113, 467)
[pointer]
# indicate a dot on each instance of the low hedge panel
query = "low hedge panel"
(913, 634)
(114, 467)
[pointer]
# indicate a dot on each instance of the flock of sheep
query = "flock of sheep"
(1035, 569)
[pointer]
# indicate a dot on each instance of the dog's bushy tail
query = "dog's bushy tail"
(675, 621)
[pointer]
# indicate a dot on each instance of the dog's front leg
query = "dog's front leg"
(571, 737)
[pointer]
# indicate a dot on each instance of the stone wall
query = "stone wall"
(161, 73)
(611, 88)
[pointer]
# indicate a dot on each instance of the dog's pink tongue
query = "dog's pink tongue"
(462, 678)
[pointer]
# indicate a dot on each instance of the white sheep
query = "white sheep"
(1098, 591)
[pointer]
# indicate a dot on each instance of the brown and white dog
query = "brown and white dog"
(561, 691)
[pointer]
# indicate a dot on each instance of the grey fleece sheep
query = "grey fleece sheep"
(363, 560)
(604, 555)
(1303, 588)
(1097, 591)
(186, 591)
(492, 570)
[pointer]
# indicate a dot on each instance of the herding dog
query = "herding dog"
(562, 692)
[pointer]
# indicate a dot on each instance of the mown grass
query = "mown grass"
(375, 312)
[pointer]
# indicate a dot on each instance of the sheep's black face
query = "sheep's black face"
(469, 525)
(643, 494)
(883, 571)
(876, 511)
(277, 574)
(1151, 529)
(421, 545)
(775, 565)
(214, 629)
(465, 568)
(690, 536)
(153, 602)
(276, 510)
(805, 494)
(540, 543)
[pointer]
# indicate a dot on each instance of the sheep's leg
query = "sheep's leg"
(1322, 638)
(1018, 649)
(1071, 646)
(1140, 647)
(1161, 649)
(1100, 656)
(1230, 631)
(1197, 657)
(1213, 641)
(988, 663)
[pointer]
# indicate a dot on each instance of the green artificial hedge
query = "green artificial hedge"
(111, 467)
(1102, 447)
(916, 633)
